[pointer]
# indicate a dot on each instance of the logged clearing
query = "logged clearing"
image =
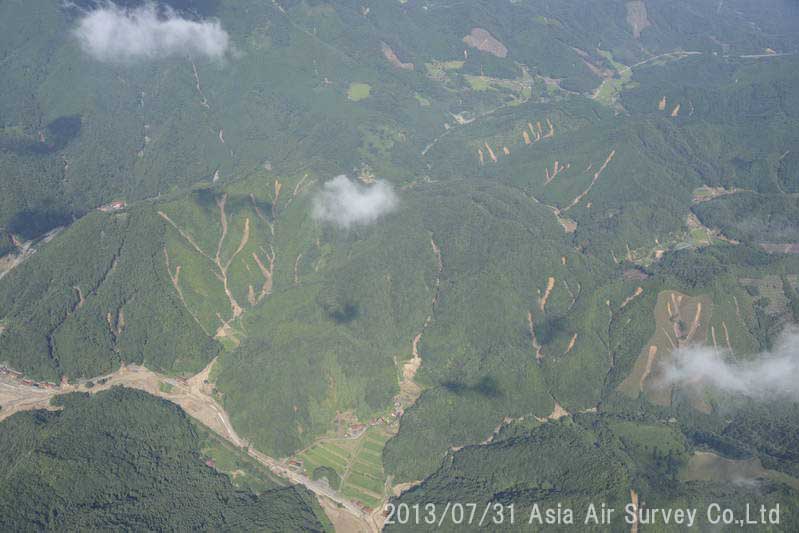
(637, 17)
(707, 466)
(680, 320)
(485, 42)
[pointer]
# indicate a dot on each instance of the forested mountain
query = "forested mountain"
(397, 252)
(126, 458)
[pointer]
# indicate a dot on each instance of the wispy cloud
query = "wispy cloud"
(770, 375)
(344, 202)
(113, 34)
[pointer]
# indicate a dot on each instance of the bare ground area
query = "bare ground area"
(637, 17)
(393, 59)
(680, 320)
(485, 42)
(542, 302)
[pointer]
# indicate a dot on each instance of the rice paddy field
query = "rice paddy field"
(357, 461)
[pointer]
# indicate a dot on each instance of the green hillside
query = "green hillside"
(459, 246)
(124, 457)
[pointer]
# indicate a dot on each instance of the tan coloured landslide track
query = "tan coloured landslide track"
(261, 214)
(650, 360)
(186, 236)
(557, 413)
(533, 340)
(593, 182)
(268, 273)
(392, 58)
(662, 104)
(222, 266)
(235, 308)
(491, 153)
(551, 132)
(297, 270)
(193, 396)
(673, 330)
(571, 344)
(409, 389)
(547, 292)
(634, 502)
(175, 278)
(204, 100)
(726, 335)
(695, 322)
(638, 292)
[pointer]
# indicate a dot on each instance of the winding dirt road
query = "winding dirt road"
(194, 396)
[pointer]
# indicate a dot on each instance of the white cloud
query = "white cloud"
(344, 203)
(770, 375)
(114, 34)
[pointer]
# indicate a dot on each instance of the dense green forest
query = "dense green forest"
(99, 295)
(126, 459)
(574, 463)
(542, 202)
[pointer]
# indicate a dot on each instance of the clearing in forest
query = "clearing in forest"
(485, 42)
(707, 466)
(359, 91)
(680, 320)
(637, 17)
